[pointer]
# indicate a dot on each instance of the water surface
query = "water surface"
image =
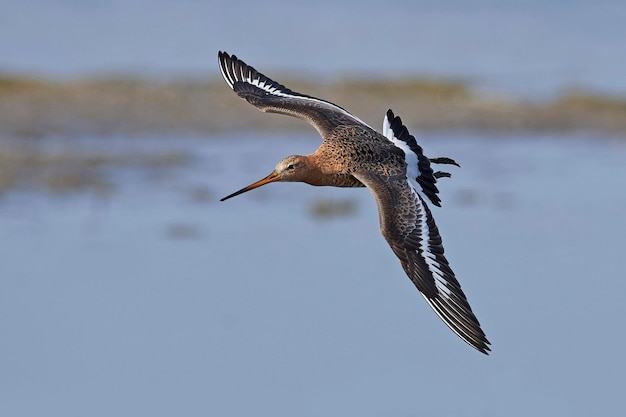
(157, 300)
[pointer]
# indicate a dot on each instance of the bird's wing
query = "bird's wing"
(270, 96)
(408, 226)
(418, 165)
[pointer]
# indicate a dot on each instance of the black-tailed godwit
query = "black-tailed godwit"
(391, 165)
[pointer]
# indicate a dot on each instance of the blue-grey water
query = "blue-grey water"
(262, 308)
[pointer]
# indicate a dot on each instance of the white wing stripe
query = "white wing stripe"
(226, 76)
(412, 169)
(460, 328)
(245, 75)
(412, 172)
(430, 258)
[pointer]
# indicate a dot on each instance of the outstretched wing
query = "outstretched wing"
(270, 96)
(408, 226)
(418, 165)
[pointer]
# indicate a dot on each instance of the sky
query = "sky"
(530, 48)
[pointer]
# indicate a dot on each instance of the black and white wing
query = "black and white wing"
(407, 224)
(270, 96)
(418, 165)
(409, 227)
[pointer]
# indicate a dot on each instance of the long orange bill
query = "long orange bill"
(273, 177)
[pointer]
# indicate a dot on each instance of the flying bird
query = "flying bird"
(390, 164)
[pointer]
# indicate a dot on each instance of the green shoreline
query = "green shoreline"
(126, 106)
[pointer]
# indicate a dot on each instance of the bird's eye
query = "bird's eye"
(290, 167)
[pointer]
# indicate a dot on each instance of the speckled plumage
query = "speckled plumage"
(391, 165)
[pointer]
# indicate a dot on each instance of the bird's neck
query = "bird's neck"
(322, 173)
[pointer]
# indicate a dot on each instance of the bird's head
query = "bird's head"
(290, 169)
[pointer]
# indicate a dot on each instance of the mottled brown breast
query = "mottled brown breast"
(351, 148)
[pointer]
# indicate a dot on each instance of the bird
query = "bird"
(391, 164)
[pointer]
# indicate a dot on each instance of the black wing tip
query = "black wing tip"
(472, 335)
(224, 56)
(233, 68)
(484, 349)
(226, 59)
(469, 330)
(480, 341)
(483, 345)
(236, 72)
(238, 75)
(458, 316)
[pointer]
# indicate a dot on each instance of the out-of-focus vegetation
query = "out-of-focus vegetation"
(126, 106)
(327, 208)
(30, 166)
(32, 108)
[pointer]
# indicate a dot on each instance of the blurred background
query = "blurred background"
(127, 289)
